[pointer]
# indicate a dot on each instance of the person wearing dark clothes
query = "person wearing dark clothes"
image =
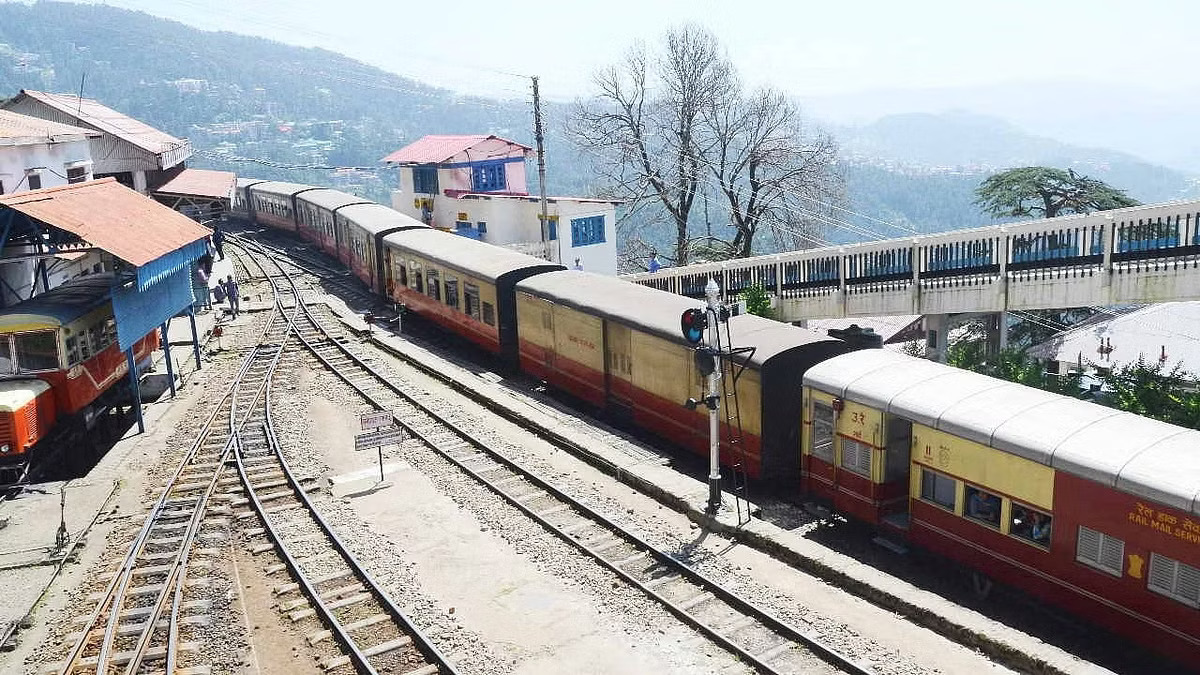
(231, 292)
(218, 239)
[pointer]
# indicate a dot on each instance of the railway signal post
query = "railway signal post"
(695, 323)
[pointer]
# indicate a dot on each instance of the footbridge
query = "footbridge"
(1143, 254)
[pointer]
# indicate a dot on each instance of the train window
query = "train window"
(856, 456)
(489, 314)
(1030, 524)
(451, 291)
(432, 287)
(403, 275)
(1174, 579)
(6, 360)
(1100, 550)
(471, 299)
(822, 432)
(938, 489)
(73, 351)
(420, 280)
(37, 350)
(982, 506)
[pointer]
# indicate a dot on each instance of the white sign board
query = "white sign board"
(375, 419)
(379, 438)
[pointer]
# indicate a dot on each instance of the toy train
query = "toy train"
(59, 361)
(1095, 510)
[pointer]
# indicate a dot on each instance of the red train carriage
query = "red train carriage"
(618, 345)
(1095, 510)
(366, 226)
(274, 203)
(58, 358)
(317, 211)
(464, 285)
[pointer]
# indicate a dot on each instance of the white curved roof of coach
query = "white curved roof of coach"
(1167, 472)
(977, 416)
(926, 401)
(1037, 432)
(832, 376)
(1101, 449)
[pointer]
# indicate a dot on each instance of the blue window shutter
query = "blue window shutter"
(553, 230)
(587, 231)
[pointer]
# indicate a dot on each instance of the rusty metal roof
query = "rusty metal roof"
(101, 117)
(201, 183)
(111, 217)
(437, 149)
(18, 129)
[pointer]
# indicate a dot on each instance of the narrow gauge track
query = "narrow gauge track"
(754, 635)
(373, 633)
(140, 615)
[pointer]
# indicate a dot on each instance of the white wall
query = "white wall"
(15, 159)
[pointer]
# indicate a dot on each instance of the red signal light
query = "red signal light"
(693, 323)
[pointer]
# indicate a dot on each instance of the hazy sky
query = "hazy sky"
(808, 48)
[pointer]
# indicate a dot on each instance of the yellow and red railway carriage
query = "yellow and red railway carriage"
(1093, 509)
(316, 216)
(619, 346)
(466, 286)
(363, 228)
(273, 203)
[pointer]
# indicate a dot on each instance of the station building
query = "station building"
(476, 186)
(134, 153)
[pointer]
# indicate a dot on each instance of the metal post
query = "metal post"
(166, 340)
(135, 389)
(551, 254)
(195, 336)
(712, 400)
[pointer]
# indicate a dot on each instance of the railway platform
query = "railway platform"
(649, 474)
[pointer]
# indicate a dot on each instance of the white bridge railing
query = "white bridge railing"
(1137, 255)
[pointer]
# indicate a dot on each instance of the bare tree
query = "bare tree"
(647, 145)
(664, 127)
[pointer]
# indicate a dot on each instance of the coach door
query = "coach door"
(896, 465)
(618, 368)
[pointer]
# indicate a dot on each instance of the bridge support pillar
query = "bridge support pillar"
(937, 328)
(997, 333)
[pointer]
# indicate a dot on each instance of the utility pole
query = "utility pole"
(541, 160)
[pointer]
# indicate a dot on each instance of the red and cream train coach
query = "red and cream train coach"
(618, 345)
(464, 285)
(1093, 509)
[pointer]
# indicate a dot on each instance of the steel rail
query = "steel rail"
(813, 643)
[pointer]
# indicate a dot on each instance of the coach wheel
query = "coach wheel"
(981, 584)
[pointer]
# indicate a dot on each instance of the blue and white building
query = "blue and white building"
(475, 186)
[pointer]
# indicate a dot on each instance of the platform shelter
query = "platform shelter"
(200, 194)
(150, 249)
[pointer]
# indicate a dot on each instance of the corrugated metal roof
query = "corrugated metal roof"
(112, 217)
(201, 183)
(1141, 456)
(95, 114)
(1147, 332)
(18, 129)
(437, 149)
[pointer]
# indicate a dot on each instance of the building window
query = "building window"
(856, 456)
(425, 180)
(431, 284)
(982, 506)
(1176, 580)
(482, 227)
(1030, 524)
(1099, 550)
(553, 230)
(34, 179)
(822, 432)
(488, 177)
(451, 292)
(489, 314)
(77, 174)
(471, 299)
(938, 489)
(587, 231)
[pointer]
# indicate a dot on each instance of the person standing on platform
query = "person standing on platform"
(654, 264)
(231, 291)
(218, 239)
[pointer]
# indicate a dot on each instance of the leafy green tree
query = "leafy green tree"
(1045, 192)
(1150, 388)
(757, 301)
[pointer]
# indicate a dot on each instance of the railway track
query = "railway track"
(754, 635)
(140, 616)
(373, 633)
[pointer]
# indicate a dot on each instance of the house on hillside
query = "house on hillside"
(1164, 332)
(136, 154)
(475, 186)
(36, 154)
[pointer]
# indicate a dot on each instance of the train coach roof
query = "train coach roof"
(58, 306)
(657, 312)
(329, 199)
(280, 188)
(466, 255)
(376, 218)
(1138, 455)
